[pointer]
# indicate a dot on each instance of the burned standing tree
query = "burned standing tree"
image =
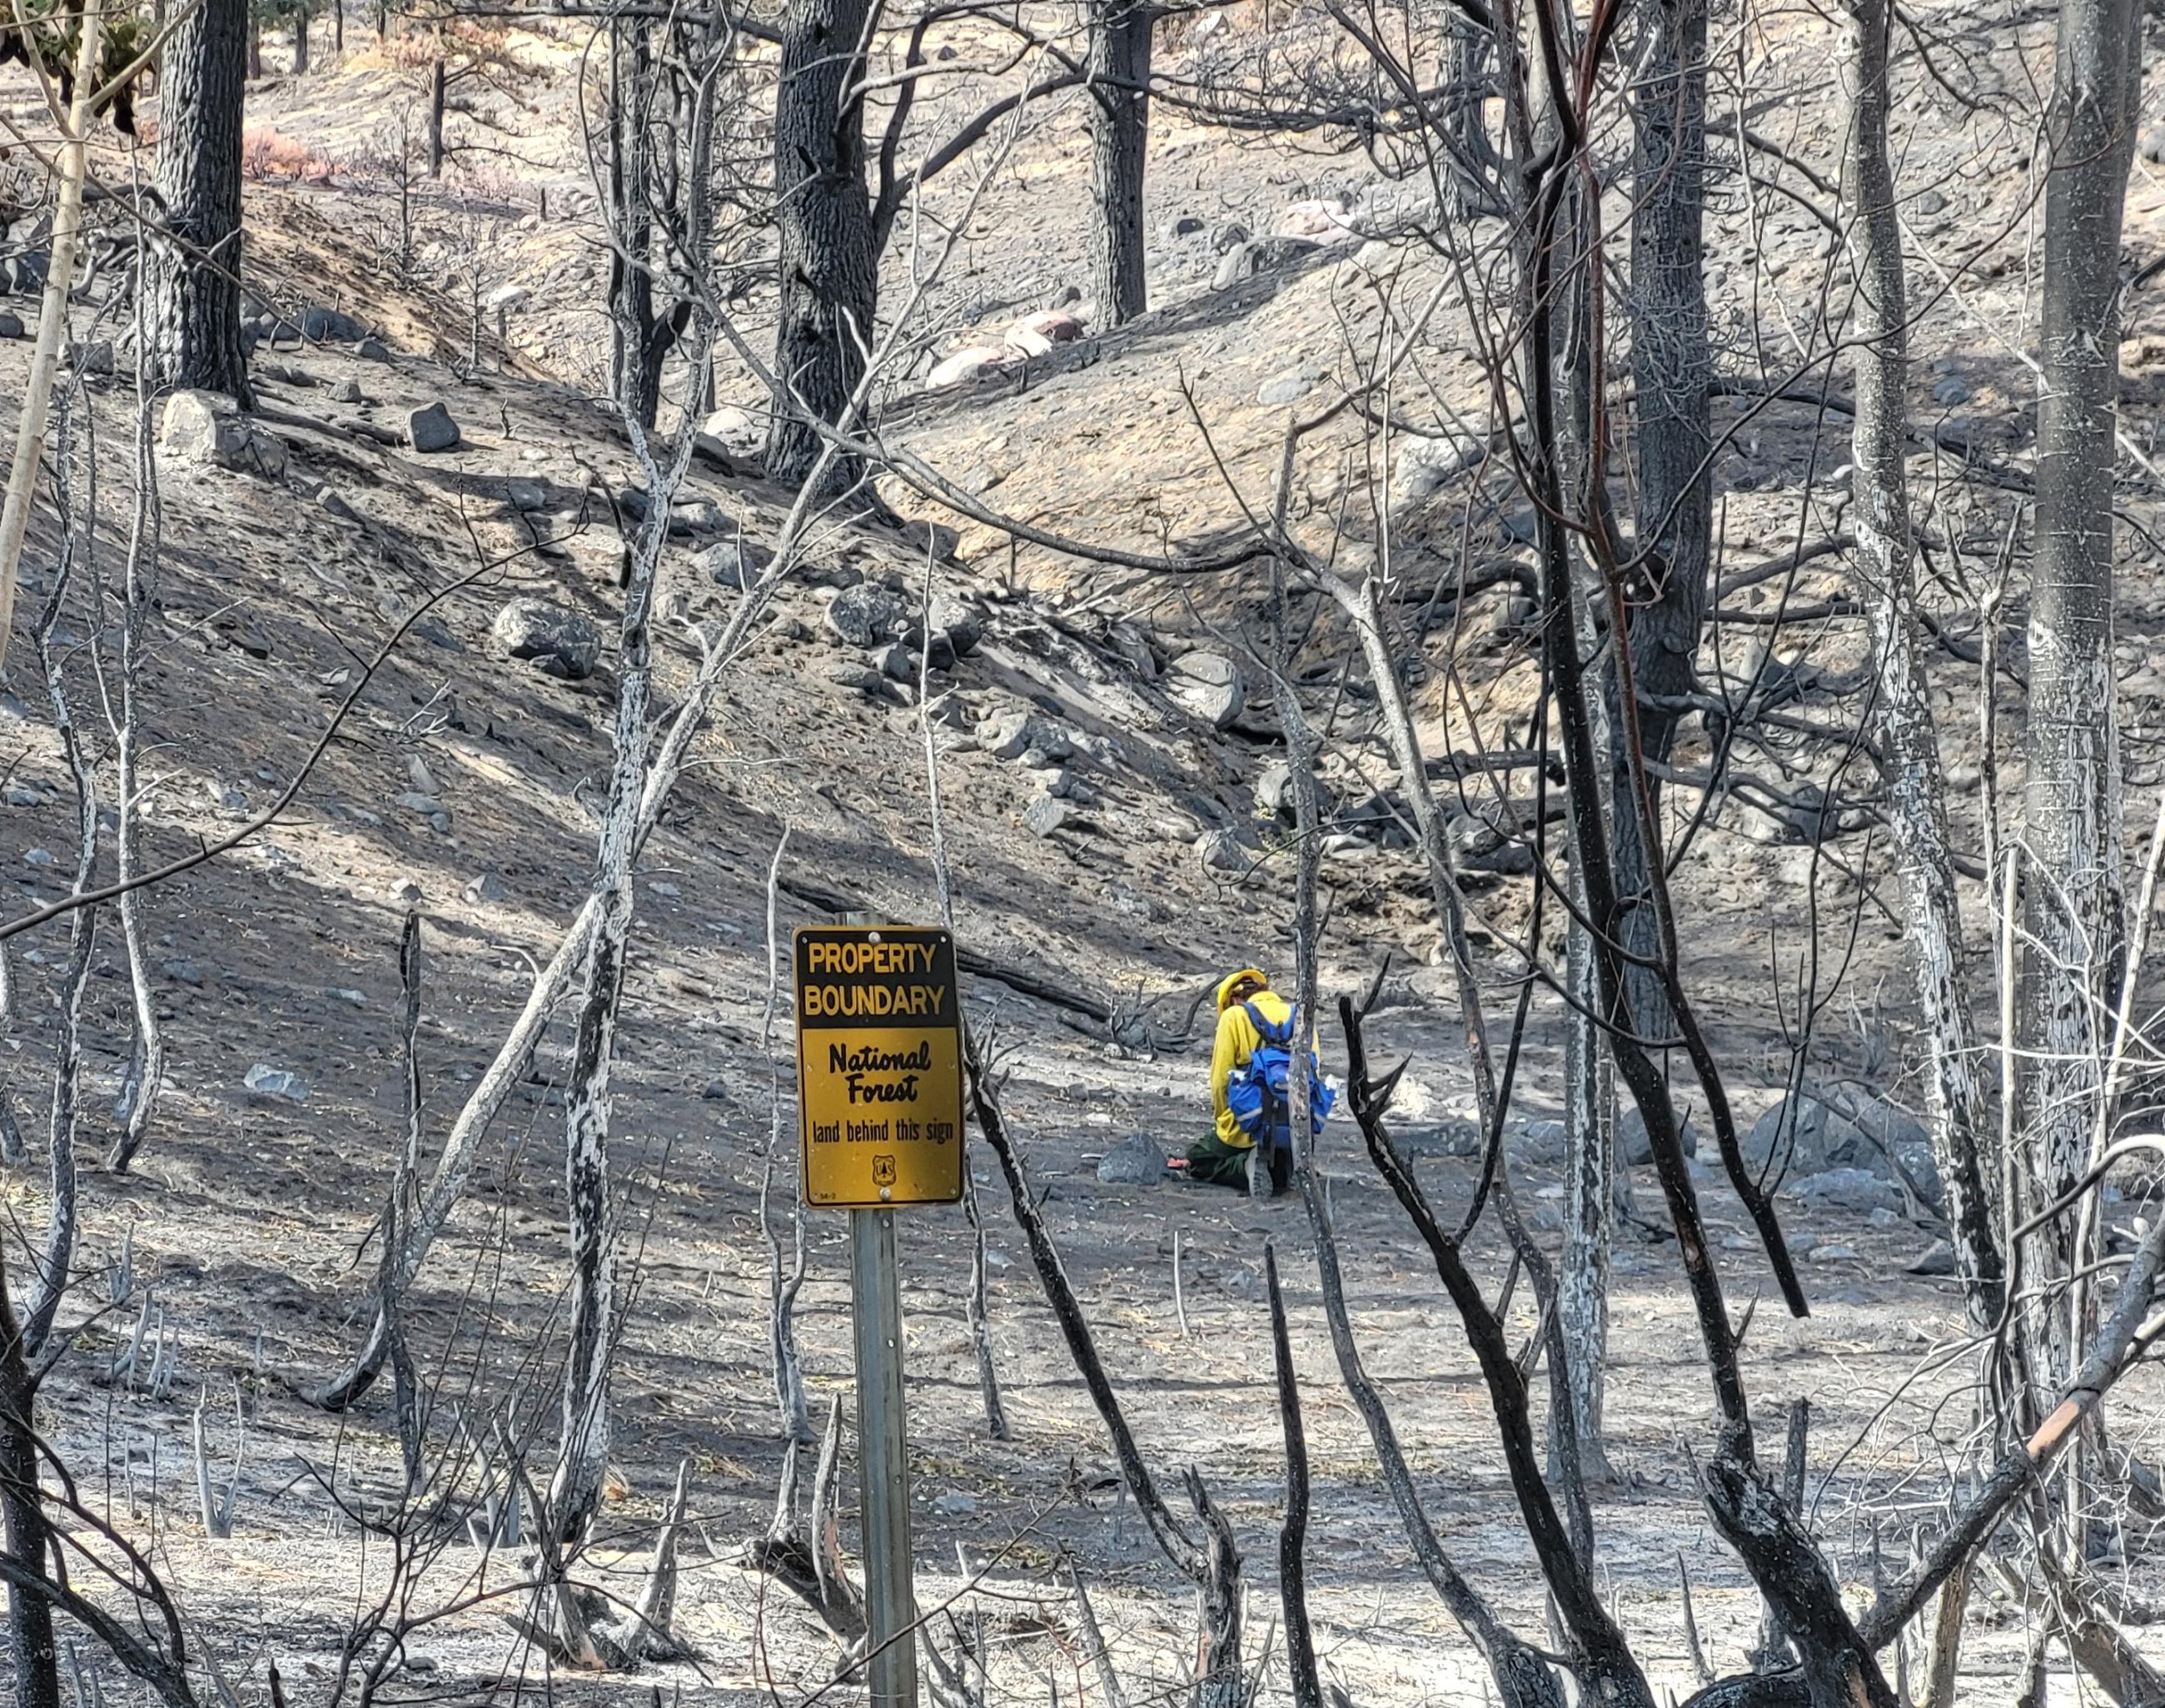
(1117, 63)
(193, 278)
(1664, 599)
(2073, 902)
(1909, 744)
(575, 1493)
(829, 246)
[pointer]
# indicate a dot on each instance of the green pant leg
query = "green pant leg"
(1215, 1162)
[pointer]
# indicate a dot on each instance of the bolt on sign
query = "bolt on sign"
(879, 1066)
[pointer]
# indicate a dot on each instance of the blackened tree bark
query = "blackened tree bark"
(829, 259)
(439, 77)
(2074, 908)
(1118, 67)
(1589, 1092)
(301, 21)
(647, 209)
(1909, 744)
(27, 1530)
(194, 281)
(631, 284)
(1671, 369)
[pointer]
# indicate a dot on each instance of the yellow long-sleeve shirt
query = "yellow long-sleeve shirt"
(1237, 1040)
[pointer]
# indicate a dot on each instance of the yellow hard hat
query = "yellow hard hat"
(1231, 980)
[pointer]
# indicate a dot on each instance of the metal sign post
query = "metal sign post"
(879, 1102)
(882, 1465)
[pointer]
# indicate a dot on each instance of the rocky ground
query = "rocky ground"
(1103, 760)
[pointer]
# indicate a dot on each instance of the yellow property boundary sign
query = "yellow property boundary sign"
(879, 1066)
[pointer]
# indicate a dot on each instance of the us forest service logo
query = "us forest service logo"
(879, 1066)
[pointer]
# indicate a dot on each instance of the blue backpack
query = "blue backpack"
(1257, 1091)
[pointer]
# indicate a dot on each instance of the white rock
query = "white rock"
(1320, 221)
(204, 427)
(266, 1081)
(979, 361)
(1037, 335)
(1210, 684)
(1420, 466)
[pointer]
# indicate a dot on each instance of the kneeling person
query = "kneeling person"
(1253, 1021)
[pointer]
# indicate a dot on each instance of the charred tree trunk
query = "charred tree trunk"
(830, 251)
(1467, 185)
(301, 41)
(1909, 744)
(1118, 69)
(437, 97)
(2073, 906)
(193, 321)
(1589, 1096)
(26, 1531)
(1670, 371)
(631, 283)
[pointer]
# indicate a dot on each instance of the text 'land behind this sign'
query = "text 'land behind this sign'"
(879, 1066)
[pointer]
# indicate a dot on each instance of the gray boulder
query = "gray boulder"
(204, 428)
(1138, 1160)
(867, 615)
(1858, 1190)
(1274, 797)
(1263, 254)
(1541, 1141)
(1221, 851)
(1013, 735)
(558, 642)
(1477, 845)
(275, 1082)
(1210, 685)
(26, 272)
(1631, 1143)
(955, 631)
(1421, 467)
(689, 515)
(347, 391)
(1841, 1127)
(328, 326)
(1046, 815)
(1450, 1138)
(736, 562)
(430, 429)
(11, 325)
(201, 427)
(94, 356)
(735, 429)
(1938, 1259)
(1813, 817)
